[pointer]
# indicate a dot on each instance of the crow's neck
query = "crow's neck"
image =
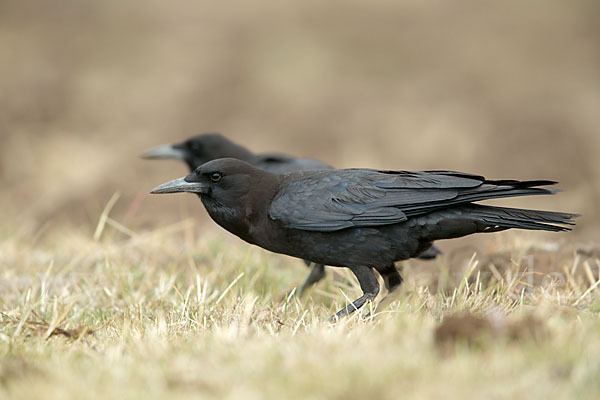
(229, 218)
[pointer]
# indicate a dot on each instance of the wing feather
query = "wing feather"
(339, 199)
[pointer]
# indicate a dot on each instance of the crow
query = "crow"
(361, 219)
(206, 147)
(200, 149)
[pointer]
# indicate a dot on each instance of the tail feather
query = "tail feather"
(503, 217)
(467, 219)
(521, 184)
(482, 193)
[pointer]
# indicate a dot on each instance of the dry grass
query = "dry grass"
(171, 313)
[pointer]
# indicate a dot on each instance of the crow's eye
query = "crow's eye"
(195, 146)
(216, 176)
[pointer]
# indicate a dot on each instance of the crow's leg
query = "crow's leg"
(368, 284)
(391, 277)
(392, 280)
(429, 254)
(316, 274)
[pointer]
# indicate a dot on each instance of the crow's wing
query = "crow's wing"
(339, 199)
(274, 158)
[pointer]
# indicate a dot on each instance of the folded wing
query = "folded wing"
(338, 199)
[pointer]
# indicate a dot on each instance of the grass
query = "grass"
(171, 313)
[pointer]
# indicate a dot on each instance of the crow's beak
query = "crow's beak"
(180, 185)
(166, 151)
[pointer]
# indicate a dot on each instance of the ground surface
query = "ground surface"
(171, 313)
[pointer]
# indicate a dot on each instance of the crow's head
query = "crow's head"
(199, 150)
(232, 191)
(226, 182)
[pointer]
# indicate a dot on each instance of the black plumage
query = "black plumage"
(206, 147)
(361, 219)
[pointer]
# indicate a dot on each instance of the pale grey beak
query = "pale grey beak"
(180, 185)
(166, 151)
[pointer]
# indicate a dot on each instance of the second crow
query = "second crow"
(206, 147)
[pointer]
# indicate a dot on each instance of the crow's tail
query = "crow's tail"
(473, 218)
(537, 220)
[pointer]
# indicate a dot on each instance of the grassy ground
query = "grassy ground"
(172, 313)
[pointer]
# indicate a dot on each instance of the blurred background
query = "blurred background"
(506, 89)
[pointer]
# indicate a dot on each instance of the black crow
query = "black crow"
(200, 149)
(361, 219)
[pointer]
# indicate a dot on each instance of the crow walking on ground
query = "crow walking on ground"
(361, 219)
